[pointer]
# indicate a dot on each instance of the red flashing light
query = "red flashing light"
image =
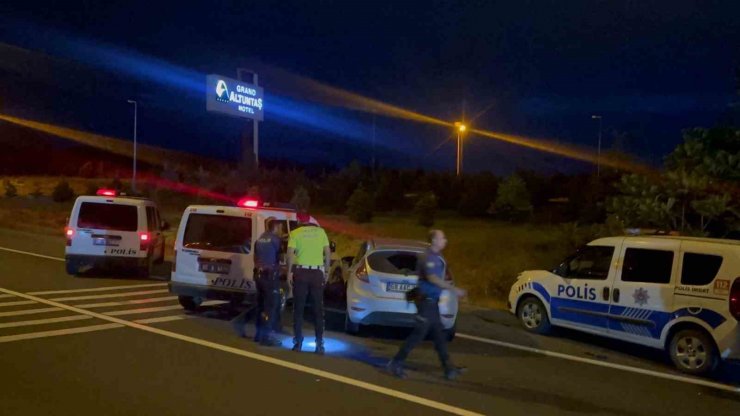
(106, 192)
(248, 203)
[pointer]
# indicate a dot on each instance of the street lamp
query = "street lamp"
(460, 127)
(598, 151)
(133, 176)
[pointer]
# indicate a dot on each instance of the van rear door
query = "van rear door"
(106, 228)
(215, 249)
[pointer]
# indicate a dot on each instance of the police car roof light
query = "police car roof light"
(248, 203)
(106, 192)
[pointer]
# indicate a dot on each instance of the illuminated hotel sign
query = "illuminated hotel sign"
(232, 97)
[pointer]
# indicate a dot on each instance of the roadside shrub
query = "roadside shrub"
(426, 209)
(360, 206)
(10, 190)
(300, 198)
(513, 200)
(62, 192)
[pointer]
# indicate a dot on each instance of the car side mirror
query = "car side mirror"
(562, 270)
(164, 226)
(332, 246)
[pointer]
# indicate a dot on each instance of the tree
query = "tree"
(478, 194)
(10, 190)
(301, 199)
(426, 209)
(389, 195)
(62, 192)
(360, 206)
(513, 200)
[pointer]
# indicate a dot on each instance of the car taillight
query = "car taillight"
(144, 239)
(735, 299)
(361, 273)
(69, 233)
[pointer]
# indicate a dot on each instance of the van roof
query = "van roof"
(122, 199)
(615, 240)
(232, 208)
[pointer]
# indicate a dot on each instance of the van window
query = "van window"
(648, 266)
(590, 262)
(151, 219)
(394, 262)
(699, 269)
(102, 216)
(218, 233)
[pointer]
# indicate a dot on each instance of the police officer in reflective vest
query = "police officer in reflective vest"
(431, 285)
(309, 252)
(267, 279)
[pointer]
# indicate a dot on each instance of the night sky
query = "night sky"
(540, 68)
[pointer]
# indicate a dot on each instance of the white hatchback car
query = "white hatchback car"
(377, 280)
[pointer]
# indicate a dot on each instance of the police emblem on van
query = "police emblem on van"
(641, 296)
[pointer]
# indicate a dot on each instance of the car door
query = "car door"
(581, 299)
(642, 294)
(152, 220)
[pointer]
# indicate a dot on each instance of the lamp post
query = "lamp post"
(460, 127)
(598, 149)
(133, 176)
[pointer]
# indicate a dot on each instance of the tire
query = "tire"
(189, 303)
(450, 333)
(693, 351)
(350, 327)
(72, 269)
(533, 316)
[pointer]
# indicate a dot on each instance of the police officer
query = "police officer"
(431, 285)
(309, 252)
(267, 280)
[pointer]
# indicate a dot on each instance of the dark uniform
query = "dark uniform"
(267, 279)
(427, 319)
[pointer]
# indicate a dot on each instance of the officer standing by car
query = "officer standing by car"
(310, 253)
(431, 285)
(267, 280)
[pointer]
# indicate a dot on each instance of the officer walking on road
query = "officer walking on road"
(309, 251)
(267, 280)
(431, 285)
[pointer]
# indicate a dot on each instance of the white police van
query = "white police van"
(679, 294)
(111, 230)
(214, 251)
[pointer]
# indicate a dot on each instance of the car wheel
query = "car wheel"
(189, 303)
(533, 316)
(450, 333)
(692, 351)
(72, 269)
(351, 327)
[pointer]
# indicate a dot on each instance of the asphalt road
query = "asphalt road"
(116, 345)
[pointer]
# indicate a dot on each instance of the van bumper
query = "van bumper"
(85, 262)
(210, 292)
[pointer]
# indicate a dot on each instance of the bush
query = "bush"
(360, 206)
(62, 192)
(301, 199)
(10, 189)
(513, 200)
(426, 209)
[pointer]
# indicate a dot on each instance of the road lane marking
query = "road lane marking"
(163, 319)
(17, 303)
(45, 321)
(126, 302)
(143, 310)
(95, 289)
(58, 332)
(117, 322)
(28, 253)
(643, 371)
(29, 311)
(111, 295)
(6, 296)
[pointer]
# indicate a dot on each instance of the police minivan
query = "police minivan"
(679, 294)
(214, 251)
(111, 230)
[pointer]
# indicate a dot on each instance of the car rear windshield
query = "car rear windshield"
(394, 262)
(102, 216)
(218, 233)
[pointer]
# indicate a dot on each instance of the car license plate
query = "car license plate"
(102, 241)
(220, 268)
(399, 287)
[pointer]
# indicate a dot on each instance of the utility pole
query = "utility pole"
(598, 149)
(133, 176)
(255, 124)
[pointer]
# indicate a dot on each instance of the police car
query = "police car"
(112, 230)
(213, 250)
(678, 294)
